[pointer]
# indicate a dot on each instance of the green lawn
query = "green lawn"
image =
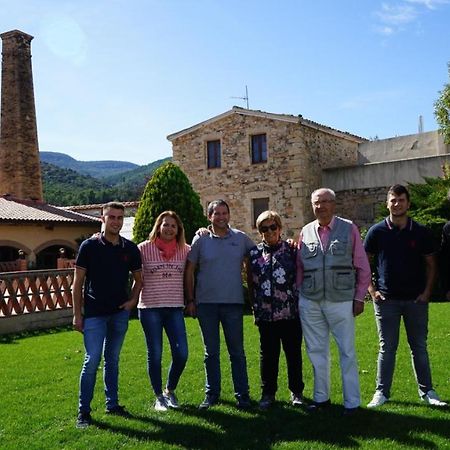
(39, 384)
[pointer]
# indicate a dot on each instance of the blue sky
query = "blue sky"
(113, 78)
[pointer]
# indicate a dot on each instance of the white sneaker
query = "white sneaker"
(377, 400)
(171, 399)
(161, 403)
(431, 398)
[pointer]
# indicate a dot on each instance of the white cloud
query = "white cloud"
(396, 14)
(385, 30)
(394, 17)
(430, 4)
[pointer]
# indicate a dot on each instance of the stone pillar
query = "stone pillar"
(20, 171)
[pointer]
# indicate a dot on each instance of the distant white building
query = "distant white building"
(127, 229)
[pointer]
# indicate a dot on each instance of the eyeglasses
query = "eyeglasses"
(265, 229)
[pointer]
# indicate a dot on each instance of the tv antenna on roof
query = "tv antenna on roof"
(244, 98)
(420, 127)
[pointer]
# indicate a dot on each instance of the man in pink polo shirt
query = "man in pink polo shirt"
(333, 274)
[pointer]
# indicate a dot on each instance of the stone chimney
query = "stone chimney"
(20, 171)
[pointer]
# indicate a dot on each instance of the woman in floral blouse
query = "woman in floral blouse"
(275, 306)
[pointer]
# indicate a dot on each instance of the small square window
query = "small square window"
(259, 148)
(213, 150)
(259, 205)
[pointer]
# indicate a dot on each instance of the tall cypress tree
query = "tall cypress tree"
(168, 189)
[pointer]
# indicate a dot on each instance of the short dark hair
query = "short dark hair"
(112, 205)
(216, 203)
(398, 189)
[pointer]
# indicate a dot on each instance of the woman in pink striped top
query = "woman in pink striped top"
(161, 303)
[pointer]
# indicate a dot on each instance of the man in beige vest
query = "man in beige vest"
(332, 274)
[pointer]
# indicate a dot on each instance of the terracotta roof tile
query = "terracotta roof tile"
(18, 210)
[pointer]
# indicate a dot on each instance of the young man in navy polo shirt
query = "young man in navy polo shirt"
(103, 265)
(404, 257)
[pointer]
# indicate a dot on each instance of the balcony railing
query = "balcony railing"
(35, 291)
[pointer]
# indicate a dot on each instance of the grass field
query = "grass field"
(39, 384)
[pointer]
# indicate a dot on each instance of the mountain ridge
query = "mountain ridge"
(65, 186)
(97, 169)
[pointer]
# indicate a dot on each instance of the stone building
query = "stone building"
(257, 160)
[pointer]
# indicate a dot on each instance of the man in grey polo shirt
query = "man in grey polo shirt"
(219, 299)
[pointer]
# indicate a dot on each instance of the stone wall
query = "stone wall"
(36, 321)
(296, 154)
(361, 205)
(361, 189)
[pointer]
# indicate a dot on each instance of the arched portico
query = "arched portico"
(48, 253)
(9, 250)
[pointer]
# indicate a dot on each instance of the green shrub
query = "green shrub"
(168, 189)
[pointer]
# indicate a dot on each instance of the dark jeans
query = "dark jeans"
(388, 314)
(153, 321)
(271, 336)
(230, 316)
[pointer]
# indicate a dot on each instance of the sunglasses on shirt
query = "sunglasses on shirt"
(265, 229)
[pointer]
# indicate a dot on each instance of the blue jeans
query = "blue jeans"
(102, 334)
(153, 321)
(388, 314)
(210, 316)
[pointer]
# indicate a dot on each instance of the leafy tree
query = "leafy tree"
(442, 110)
(168, 189)
(429, 201)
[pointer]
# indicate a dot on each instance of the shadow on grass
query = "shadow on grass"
(13, 337)
(217, 428)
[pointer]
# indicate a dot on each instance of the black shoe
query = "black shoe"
(266, 401)
(318, 406)
(350, 411)
(210, 400)
(83, 420)
(118, 411)
(243, 401)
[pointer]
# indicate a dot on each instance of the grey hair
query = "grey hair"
(330, 191)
